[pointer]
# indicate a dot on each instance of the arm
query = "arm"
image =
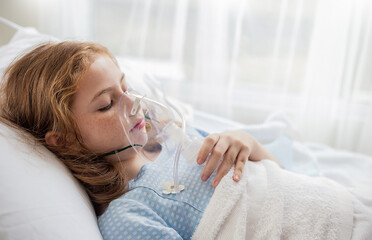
(234, 148)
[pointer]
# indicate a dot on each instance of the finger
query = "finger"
(228, 161)
(214, 159)
(207, 147)
(240, 163)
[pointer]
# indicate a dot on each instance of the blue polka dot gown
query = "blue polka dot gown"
(145, 212)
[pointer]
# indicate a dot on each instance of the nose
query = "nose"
(130, 103)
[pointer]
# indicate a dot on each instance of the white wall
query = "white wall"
(22, 12)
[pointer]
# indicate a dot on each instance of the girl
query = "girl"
(66, 94)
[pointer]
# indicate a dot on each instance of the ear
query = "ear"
(53, 139)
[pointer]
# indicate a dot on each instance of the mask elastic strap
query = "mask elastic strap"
(119, 150)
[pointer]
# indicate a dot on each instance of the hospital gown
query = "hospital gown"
(145, 212)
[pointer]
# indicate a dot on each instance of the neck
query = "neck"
(134, 165)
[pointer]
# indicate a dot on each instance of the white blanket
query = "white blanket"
(271, 203)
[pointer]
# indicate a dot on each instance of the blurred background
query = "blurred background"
(239, 59)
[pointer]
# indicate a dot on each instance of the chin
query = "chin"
(139, 138)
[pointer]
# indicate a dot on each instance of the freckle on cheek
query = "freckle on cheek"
(104, 126)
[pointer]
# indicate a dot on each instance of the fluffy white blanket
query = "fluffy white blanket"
(271, 203)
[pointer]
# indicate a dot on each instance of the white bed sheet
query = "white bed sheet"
(347, 168)
(351, 170)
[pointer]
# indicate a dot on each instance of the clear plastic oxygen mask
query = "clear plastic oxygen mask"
(151, 126)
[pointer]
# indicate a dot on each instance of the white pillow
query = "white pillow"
(39, 197)
(22, 41)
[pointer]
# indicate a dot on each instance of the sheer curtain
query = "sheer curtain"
(336, 89)
(243, 59)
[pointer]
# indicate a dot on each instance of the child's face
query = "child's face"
(95, 107)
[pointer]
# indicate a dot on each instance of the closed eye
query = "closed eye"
(106, 108)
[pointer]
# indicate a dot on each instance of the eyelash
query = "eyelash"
(106, 108)
(111, 102)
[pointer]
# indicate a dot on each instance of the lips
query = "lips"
(139, 124)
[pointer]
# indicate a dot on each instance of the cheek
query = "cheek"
(101, 133)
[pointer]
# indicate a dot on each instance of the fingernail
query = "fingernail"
(236, 178)
(198, 160)
(204, 178)
(215, 183)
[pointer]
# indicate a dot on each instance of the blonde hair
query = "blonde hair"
(37, 93)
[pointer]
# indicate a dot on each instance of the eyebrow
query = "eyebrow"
(107, 89)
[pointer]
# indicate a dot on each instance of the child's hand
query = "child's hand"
(235, 147)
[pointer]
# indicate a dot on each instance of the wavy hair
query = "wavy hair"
(36, 96)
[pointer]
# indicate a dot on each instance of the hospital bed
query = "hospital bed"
(39, 198)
